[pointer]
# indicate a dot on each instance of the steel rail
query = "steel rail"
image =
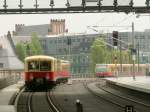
(18, 98)
(29, 102)
(138, 102)
(99, 96)
(51, 107)
(51, 104)
(123, 98)
(29, 97)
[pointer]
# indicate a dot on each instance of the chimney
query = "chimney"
(18, 27)
(57, 26)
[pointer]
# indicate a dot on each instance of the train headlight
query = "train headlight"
(31, 76)
(47, 76)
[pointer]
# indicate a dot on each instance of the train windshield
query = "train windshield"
(45, 66)
(33, 66)
(39, 66)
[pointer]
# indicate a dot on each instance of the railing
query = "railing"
(128, 74)
(8, 77)
(8, 73)
(116, 74)
(83, 75)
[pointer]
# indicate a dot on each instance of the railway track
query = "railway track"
(70, 93)
(123, 97)
(36, 102)
(120, 101)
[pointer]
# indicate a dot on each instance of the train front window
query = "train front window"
(45, 66)
(33, 66)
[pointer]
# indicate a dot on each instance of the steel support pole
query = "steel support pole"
(138, 57)
(133, 45)
(120, 56)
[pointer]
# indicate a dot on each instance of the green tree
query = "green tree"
(20, 50)
(98, 52)
(35, 47)
(126, 55)
(29, 48)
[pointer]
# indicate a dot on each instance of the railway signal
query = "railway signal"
(115, 38)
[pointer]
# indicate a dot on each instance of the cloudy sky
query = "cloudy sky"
(76, 23)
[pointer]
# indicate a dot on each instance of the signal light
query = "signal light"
(115, 38)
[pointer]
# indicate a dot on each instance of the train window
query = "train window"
(58, 65)
(65, 67)
(33, 66)
(45, 66)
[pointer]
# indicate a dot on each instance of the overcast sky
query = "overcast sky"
(76, 23)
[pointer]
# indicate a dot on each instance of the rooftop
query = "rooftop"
(28, 30)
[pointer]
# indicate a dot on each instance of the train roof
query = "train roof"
(64, 61)
(97, 65)
(39, 57)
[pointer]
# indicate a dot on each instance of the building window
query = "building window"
(1, 65)
(81, 49)
(50, 41)
(86, 40)
(59, 41)
(78, 40)
(83, 60)
(43, 42)
(86, 48)
(73, 40)
(83, 40)
(79, 59)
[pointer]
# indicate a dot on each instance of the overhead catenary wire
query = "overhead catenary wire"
(126, 18)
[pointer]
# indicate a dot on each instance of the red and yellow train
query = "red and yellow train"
(45, 70)
(110, 70)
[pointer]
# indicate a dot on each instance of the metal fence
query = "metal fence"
(115, 74)
(8, 77)
(83, 75)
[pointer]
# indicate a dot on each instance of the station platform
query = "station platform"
(5, 97)
(141, 83)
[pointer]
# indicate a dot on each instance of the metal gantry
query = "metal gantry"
(20, 5)
(68, 8)
(51, 3)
